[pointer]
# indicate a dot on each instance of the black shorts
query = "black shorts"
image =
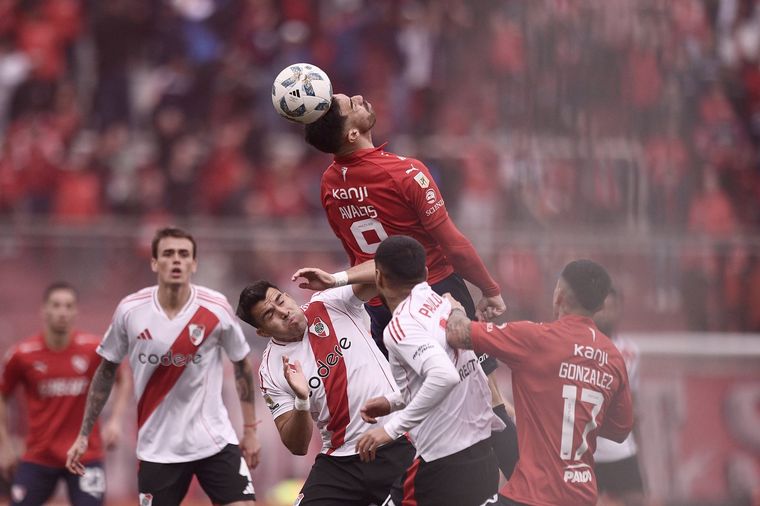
(223, 476)
(618, 477)
(34, 484)
(349, 481)
(467, 478)
(453, 284)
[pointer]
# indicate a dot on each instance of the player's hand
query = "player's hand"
(111, 432)
(375, 407)
(455, 304)
(8, 461)
(295, 378)
(316, 279)
(75, 453)
(369, 443)
(490, 307)
(250, 447)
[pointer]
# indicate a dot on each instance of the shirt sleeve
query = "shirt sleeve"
(430, 361)
(422, 193)
(511, 343)
(115, 343)
(11, 372)
(278, 399)
(343, 298)
(618, 421)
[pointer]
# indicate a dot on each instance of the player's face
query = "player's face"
(358, 112)
(279, 316)
(175, 264)
(59, 311)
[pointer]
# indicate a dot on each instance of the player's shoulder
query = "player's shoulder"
(86, 339)
(270, 359)
(26, 346)
(136, 299)
(214, 301)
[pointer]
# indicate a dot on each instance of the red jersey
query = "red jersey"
(570, 385)
(55, 384)
(372, 194)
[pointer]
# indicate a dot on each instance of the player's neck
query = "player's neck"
(364, 142)
(56, 340)
(395, 298)
(173, 298)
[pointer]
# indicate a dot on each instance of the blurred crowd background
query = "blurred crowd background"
(625, 130)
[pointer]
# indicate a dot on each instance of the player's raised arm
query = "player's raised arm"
(97, 396)
(466, 261)
(295, 426)
(361, 276)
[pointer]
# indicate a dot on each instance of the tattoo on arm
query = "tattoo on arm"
(458, 330)
(244, 381)
(100, 389)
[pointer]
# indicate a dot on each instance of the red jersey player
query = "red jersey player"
(370, 194)
(55, 368)
(570, 385)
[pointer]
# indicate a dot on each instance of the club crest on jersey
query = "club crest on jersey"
(319, 329)
(196, 333)
(79, 363)
(422, 180)
(146, 499)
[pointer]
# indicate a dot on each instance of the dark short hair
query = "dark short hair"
(59, 285)
(401, 259)
(249, 297)
(326, 134)
(589, 282)
(171, 232)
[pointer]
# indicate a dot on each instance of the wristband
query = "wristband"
(302, 404)
(341, 279)
(251, 425)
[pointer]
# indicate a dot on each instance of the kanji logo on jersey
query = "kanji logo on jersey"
(196, 333)
(422, 180)
(319, 329)
(79, 363)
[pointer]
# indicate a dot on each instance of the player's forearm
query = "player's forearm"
(97, 396)
(245, 389)
(458, 330)
(122, 391)
(295, 431)
(463, 257)
(439, 381)
(4, 434)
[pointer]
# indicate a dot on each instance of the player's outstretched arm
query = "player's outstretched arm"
(295, 426)
(100, 389)
(8, 457)
(112, 430)
(457, 326)
(361, 276)
(249, 443)
(466, 261)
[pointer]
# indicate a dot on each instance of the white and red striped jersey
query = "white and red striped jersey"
(342, 364)
(177, 369)
(416, 338)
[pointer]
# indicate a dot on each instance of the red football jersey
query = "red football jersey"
(372, 194)
(55, 384)
(570, 385)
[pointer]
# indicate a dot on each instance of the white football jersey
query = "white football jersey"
(415, 335)
(342, 364)
(610, 451)
(177, 370)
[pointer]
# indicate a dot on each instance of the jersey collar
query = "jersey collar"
(359, 154)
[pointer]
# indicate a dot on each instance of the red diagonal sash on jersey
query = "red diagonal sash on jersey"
(336, 381)
(165, 376)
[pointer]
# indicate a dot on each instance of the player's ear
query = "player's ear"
(353, 134)
(194, 267)
(154, 265)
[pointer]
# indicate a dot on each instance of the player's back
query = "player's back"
(570, 384)
(373, 194)
(464, 417)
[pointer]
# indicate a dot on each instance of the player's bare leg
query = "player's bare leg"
(505, 442)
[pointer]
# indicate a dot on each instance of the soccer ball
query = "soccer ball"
(302, 93)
